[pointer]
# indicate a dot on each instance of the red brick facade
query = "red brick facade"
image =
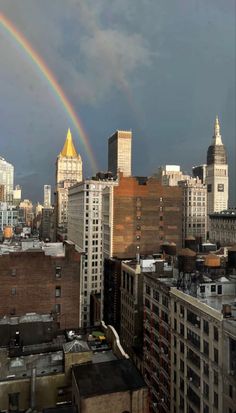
(145, 214)
(33, 282)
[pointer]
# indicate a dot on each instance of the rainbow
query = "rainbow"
(54, 85)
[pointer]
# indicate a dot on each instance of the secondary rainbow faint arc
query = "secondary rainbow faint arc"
(48, 75)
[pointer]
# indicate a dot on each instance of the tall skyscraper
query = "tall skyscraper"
(217, 173)
(85, 208)
(68, 172)
(47, 196)
(6, 179)
(120, 153)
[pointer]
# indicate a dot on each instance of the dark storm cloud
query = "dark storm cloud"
(163, 68)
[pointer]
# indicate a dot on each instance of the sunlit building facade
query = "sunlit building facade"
(7, 179)
(217, 173)
(120, 153)
(68, 172)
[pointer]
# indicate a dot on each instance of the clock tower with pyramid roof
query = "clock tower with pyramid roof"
(217, 173)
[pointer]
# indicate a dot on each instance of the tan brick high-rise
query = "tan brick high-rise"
(139, 215)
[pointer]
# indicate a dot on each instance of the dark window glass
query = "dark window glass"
(206, 327)
(216, 335)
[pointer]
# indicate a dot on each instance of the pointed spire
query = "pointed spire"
(68, 148)
(217, 126)
(217, 136)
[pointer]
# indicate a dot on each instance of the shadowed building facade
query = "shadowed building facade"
(120, 153)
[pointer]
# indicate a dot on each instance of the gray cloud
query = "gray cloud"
(162, 68)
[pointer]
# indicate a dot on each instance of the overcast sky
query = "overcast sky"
(163, 68)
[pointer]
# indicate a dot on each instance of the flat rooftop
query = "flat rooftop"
(108, 377)
(54, 249)
(217, 301)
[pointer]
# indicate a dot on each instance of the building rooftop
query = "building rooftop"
(27, 318)
(217, 301)
(54, 249)
(109, 377)
(227, 213)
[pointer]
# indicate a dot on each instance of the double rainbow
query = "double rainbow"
(19, 38)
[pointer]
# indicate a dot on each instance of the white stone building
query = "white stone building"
(170, 175)
(9, 216)
(217, 174)
(47, 196)
(7, 179)
(194, 208)
(85, 230)
(200, 348)
(68, 172)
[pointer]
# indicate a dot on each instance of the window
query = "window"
(205, 408)
(193, 338)
(202, 288)
(148, 290)
(58, 292)
(206, 390)
(58, 272)
(206, 348)
(213, 288)
(165, 301)
(13, 401)
(219, 289)
(13, 291)
(193, 318)
(216, 335)
(209, 188)
(206, 369)
(13, 272)
(216, 400)
(231, 391)
(215, 378)
(175, 359)
(216, 356)
(206, 327)
(58, 308)
(156, 295)
(182, 311)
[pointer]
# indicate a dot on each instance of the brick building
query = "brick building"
(139, 215)
(113, 387)
(32, 281)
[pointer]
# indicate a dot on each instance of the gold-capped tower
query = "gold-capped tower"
(69, 150)
(69, 171)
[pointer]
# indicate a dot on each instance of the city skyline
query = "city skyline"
(171, 112)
